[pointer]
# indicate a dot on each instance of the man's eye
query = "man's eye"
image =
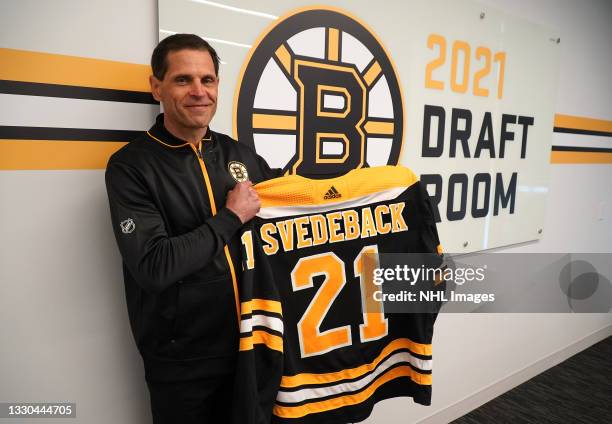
(181, 80)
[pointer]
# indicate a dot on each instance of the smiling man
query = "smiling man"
(178, 195)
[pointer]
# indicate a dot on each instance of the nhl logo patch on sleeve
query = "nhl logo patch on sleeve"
(127, 226)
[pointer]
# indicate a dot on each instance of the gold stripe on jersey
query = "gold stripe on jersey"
(266, 305)
(314, 393)
(341, 401)
(303, 379)
(271, 341)
(295, 190)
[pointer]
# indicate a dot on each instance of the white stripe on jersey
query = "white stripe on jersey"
(343, 388)
(256, 320)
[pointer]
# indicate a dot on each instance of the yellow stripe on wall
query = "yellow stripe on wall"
(557, 157)
(54, 154)
(48, 68)
(585, 124)
(582, 123)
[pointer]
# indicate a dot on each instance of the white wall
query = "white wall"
(63, 322)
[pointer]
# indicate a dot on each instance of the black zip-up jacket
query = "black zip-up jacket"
(180, 278)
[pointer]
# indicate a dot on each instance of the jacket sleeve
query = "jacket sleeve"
(155, 259)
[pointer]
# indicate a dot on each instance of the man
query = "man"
(178, 195)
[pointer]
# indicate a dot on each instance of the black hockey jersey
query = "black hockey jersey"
(314, 346)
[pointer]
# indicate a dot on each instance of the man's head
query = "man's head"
(185, 80)
(159, 58)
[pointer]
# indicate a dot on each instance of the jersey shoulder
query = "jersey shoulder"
(296, 191)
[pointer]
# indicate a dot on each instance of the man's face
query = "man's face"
(188, 91)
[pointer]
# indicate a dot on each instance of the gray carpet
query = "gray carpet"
(578, 390)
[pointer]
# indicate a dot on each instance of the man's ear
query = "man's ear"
(155, 87)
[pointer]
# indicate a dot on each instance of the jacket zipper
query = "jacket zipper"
(213, 207)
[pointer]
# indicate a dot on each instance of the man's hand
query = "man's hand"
(243, 201)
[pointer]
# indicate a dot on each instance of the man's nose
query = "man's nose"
(197, 89)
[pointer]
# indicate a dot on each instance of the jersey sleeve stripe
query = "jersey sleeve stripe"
(341, 401)
(271, 341)
(397, 359)
(257, 320)
(273, 306)
(353, 373)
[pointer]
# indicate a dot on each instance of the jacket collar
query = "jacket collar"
(159, 133)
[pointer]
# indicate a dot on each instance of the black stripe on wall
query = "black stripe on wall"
(75, 92)
(275, 112)
(581, 149)
(70, 134)
(584, 132)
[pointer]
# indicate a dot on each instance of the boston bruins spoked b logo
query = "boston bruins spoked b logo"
(319, 95)
(238, 171)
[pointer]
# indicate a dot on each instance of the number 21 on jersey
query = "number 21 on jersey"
(313, 341)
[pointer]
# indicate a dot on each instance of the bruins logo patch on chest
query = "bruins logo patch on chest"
(238, 171)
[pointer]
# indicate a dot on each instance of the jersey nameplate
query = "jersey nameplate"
(332, 227)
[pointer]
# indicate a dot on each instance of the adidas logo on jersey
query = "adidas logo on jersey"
(332, 193)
